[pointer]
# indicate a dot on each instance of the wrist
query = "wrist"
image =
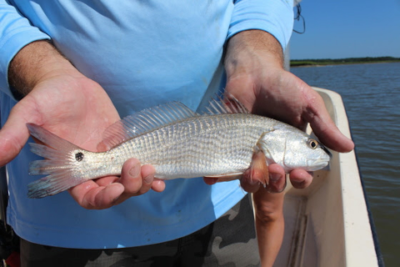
(35, 63)
(260, 44)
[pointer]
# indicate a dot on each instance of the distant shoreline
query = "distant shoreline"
(343, 61)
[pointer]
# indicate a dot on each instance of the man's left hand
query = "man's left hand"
(256, 77)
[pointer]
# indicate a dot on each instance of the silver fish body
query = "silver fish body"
(179, 144)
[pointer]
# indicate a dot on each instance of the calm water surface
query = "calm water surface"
(371, 94)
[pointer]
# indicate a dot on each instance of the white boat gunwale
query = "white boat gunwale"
(329, 223)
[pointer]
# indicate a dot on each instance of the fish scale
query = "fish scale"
(177, 150)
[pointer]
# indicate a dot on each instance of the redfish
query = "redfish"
(179, 143)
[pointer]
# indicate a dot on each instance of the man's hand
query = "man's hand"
(256, 77)
(62, 100)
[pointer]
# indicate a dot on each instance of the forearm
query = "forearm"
(35, 62)
(270, 224)
(270, 237)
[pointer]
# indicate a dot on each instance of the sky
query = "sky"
(347, 28)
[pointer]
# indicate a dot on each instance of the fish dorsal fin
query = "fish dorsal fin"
(228, 105)
(144, 121)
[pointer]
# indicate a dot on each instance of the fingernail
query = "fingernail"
(274, 177)
(298, 183)
(148, 179)
(134, 171)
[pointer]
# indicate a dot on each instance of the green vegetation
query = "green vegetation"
(359, 60)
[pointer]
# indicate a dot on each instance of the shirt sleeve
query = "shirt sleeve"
(16, 32)
(272, 16)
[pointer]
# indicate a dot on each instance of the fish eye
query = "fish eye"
(312, 143)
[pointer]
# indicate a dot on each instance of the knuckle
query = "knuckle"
(267, 212)
(144, 189)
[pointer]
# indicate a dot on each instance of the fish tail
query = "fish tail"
(61, 159)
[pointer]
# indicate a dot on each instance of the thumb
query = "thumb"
(325, 129)
(13, 136)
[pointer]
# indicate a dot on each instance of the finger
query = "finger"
(107, 192)
(13, 136)
(210, 181)
(323, 126)
(137, 180)
(132, 180)
(105, 181)
(300, 178)
(158, 185)
(147, 173)
(257, 173)
(277, 178)
(131, 177)
(92, 196)
(102, 147)
(104, 198)
(110, 140)
(248, 183)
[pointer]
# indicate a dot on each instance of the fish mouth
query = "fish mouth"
(326, 151)
(319, 164)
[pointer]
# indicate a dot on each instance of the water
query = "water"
(371, 94)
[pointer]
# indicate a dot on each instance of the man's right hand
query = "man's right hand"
(65, 102)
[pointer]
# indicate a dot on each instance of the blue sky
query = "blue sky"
(352, 28)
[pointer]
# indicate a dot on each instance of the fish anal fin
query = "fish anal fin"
(53, 184)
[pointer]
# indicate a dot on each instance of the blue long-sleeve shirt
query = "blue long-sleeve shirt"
(142, 53)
